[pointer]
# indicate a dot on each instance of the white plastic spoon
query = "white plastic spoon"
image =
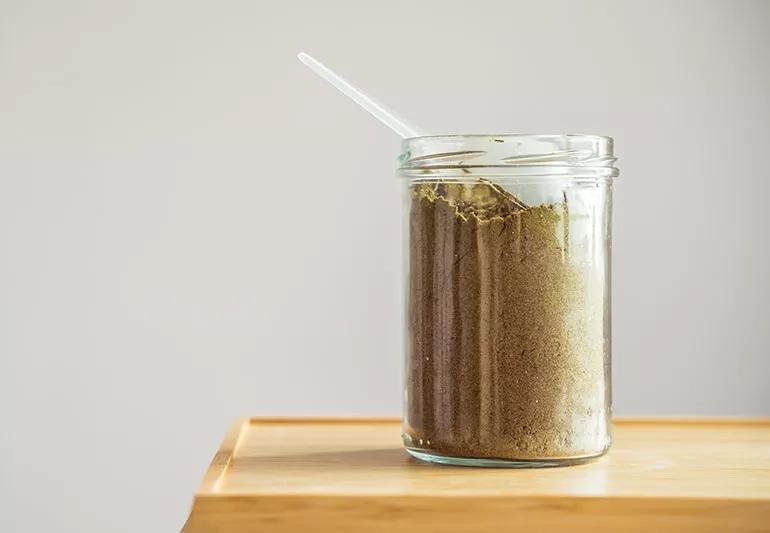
(379, 111)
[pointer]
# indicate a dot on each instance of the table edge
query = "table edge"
(223, 457)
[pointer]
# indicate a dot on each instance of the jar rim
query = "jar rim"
(509, 154)
(514, 135)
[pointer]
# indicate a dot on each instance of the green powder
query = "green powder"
(506, 329)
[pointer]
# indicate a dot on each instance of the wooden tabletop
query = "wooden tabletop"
(274, 475)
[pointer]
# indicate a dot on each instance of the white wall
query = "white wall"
(194, 228)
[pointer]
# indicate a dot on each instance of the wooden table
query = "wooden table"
(315, 475)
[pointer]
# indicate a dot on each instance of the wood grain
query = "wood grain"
(281, 475)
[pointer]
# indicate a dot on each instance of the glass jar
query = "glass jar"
(508, 298)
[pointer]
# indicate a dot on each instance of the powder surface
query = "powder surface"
(506, 330)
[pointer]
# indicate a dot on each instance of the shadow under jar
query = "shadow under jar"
(508, 298)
